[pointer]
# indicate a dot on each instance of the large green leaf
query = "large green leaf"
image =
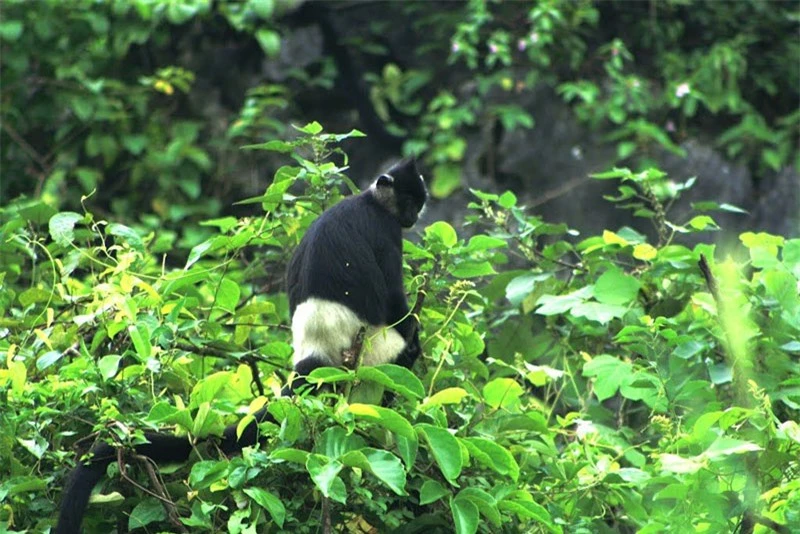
(388, 419)
(445, 449)
(465, 516)
(383, 464)
(269, 502)
(395, 378)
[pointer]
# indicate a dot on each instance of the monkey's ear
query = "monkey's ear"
(385, 180)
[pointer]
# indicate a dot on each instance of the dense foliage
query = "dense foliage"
(117, 96)
(617, 382)
(608, 385)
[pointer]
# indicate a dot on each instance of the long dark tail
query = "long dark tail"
(161, 448)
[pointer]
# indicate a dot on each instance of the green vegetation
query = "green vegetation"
(609, 383)
(597, 386)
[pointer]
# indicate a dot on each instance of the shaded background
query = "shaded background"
(144, 105)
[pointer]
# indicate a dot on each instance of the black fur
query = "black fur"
(351, 255)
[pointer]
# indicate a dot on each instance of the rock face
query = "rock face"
(548, 166)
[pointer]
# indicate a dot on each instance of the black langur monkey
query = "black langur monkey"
(346, 275)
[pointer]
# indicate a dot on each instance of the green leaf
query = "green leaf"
(388, 419)
(507, 200)
(263, 8)
(612, 175)
(47, 359)
(558, 304)
(443, 233)
(330, 375)
(383, 464)
(127, 235)
(486, 504)
(140, 335)
(502, 392)
(431, 491)
(609, 373)
(676, 464)
(445, 396)
(228, 293)
(465, 516)
(472, 269)
(269, 41)
(147, 511)
(108, 365)
(335, 442)
(596, 311)
(484, 242)
(395, 378)
(701, 222)
(724, 446)
(645, 387)
(10, 30)
(268, 502)
(616, 287)
(62, 225)
(522, 504)
(445, 449)
(446, 179)
(493, 456)
(325, 474)
(312, 128)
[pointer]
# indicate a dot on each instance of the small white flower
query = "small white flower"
(683, 90)
(522, 45)
(455, 47)
(493, 48)
(534, 37)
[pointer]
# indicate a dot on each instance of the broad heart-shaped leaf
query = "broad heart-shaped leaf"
(645, 387)
(616, 287)
(388, 419)
(609, 373)
(558, 304)
(465, 516)
(445, 449)
(431, 491)
(442, 232)
(62, 226)
(502, 392)
(493, 456)
(268, 502)
(325, 474)
(228, 293)
(395, 378)
(127, 235)
(146, 512)
(383, 464)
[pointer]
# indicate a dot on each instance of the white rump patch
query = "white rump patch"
(326, 329)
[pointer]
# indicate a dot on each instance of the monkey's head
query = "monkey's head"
(401, 190)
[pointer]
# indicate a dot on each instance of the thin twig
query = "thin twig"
(166, 500)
